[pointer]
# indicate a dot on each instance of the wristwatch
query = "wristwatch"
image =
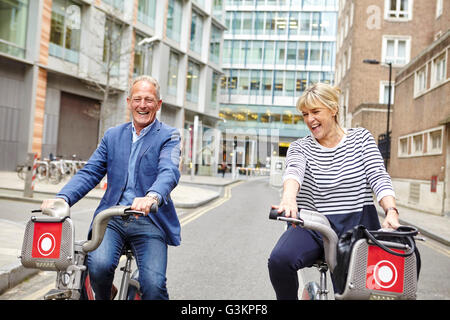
(389, 209)
(153, 196)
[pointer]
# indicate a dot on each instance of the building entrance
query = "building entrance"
(78, 126)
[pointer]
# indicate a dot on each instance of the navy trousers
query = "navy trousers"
(297, 248)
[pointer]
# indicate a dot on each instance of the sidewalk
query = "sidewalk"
(190, 193)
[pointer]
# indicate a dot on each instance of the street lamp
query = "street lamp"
(388, 139)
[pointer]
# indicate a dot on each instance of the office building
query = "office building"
(273, 49)
(66, 66)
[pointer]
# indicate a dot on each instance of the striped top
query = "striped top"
(340, 180)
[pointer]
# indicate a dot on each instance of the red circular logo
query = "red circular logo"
(385, 274)
(46, 244)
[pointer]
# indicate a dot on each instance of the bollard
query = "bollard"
(30, 176)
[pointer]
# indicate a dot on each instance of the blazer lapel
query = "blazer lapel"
(149, 140)
(125, 141)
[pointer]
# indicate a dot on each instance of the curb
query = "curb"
(13, 274)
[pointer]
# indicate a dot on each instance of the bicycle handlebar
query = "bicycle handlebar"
(316, 221)
(101, 221)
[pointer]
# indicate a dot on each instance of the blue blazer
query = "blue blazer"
(156, 170)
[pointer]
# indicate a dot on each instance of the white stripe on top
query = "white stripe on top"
(338, 180)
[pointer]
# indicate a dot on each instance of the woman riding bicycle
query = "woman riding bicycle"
(333, 171)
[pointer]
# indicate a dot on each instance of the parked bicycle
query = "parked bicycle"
(49, 244)
(53, 170)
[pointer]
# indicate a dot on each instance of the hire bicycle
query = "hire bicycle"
(49, 245)
(374, 269)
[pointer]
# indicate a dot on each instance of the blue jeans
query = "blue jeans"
(149, 247)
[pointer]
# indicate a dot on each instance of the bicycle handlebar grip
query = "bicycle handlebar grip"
(274, 215)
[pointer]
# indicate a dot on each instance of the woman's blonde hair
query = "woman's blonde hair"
(320, 94)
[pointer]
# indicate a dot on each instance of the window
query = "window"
(302, 55)
(439, 66)
(293, 23)
(434, 145)
(118, 4)
(215, 80)
(226, 58)
(417, 144)
(314, 54)
(174, 13)
(13, 27)
(291, 53)
(196, 33)
(65, 30)
(396, 50)
(384, 92)
(172, 81)
(301, 82)
(244, 82)
(255, 82)
(278, 83)
(280, 53)
(398, 9)
(193, 80)
(218, 9)
(247, 22)
(255, 52)
(142, 58)
(146, 12)
(328, 24)
(289, 83)
(214, 46)
(112, 47)
(420, 81)
(267, 82)
(403, 147)
(259, 23)
(269, 47)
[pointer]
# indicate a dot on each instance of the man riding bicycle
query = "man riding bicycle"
(140, 159)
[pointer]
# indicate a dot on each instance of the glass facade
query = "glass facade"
(65, 30)
(271, 54)
(13, 27)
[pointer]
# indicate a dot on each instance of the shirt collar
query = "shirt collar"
(144, 131)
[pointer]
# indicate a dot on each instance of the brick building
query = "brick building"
(420, 153)
(384, 31)
(413, 36)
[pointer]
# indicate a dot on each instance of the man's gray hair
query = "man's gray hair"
(148, 79)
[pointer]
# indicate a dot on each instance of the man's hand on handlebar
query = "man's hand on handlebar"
(142, 204)
(49, 203)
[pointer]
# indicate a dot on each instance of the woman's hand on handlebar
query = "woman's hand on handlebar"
(289, 208)
(142, 204)
(391, 221)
